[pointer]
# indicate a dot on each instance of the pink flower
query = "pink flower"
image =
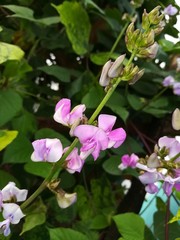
(117, 136)
(169, 183)
(11, 192)
(176, 88)
(93, 140)
(170, 10)
(48, 150)
(74, 162)
(129, 161)
(66, 117)
(151, 188)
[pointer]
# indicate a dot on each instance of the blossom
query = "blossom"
(169, 183)
(49, 150)
(172, 145)
(74, 161)
(104, 78)
(176, 88)
(93, 140)
(65, 199)
(115, 137)
(128, 161)
(170, 10)
(66, 117)
(11, 192)
(12, 214)
(168, 81)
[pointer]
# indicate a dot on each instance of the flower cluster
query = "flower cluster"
(92, 138)
(169, 81)
(11, 212)
(162, 165)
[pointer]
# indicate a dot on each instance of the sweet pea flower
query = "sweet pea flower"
(93, 140)
(74, 161)
(176, 88)
(168, 81)
(66, 117)
(170, 10)
(12, 214)
(47, 150)
(151, 188)
(169, 183)
(128, 161)
(115, 137)
(11, 192)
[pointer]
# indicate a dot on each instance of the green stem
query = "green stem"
(57, 165)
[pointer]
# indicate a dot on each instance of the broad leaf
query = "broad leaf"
(111, 165)
(19, 151)
(130, 225)
(10, 105)
(65, 234)
(41, 169)
(102, 57)
(6, 137)
(6, 177)
(77, 24)
(93, 97)
(10, 52)
(35, 215)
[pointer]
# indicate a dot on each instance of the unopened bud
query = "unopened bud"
(129, 72)
(176, 119)
(147, 39)
(104, 79)
(53, 184)
(149, 52)
(153, 161)
(136, 77)
(65, 199)
(116, 67)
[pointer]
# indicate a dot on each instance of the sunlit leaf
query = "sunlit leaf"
(76, 21)
(10, 52)
(65, 233)
(6, 137)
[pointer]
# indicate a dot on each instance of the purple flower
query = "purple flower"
(168, 81)
(151, 188)
(172, 145)
(11, 192)
(93, 140)
(117, 136)
(74, 161)
(170, 10)
(12, 214)
(169, 183)
(48, 150)
(150, 177)
(176, 88)
(129, 161)
(66, 116)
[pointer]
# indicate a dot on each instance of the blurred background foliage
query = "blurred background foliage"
(53, 49)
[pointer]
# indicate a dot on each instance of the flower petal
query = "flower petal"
(56, 149)
(62, 111)
(106, 122)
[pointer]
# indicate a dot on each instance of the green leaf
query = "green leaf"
(77, 24)
(50, 133)
(28, 14)
(102, 57)
(35, 215)
(25, 124)
(93, 97)
(159, 227)
(10, 105)
(111, 165)
(62, 74)
(65, 234)
(135, 101)
(93, 5)
(120, 111)
(99, 222)
(130, 225)
(6, 177)
(176, 217)
(19, 151)
(10, 52)
(6, 137)
(40, 169)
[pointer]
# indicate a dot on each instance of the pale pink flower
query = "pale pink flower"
(74, 161)
(128, 161)
(65, 199)
(168, 81)
(66, 116)
(47, 150)
(11, 192)
(170, 10)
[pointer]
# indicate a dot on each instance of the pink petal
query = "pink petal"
(56, 149)
(76, 113)
(85, 132)
(116, 137)
(106, 122)
(62, 111)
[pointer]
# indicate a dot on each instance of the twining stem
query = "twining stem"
(167, 219)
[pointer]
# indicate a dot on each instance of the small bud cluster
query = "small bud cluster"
(142, 40)
(11, 212)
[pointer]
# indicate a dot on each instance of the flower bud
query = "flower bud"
(65, 199)
(104, 79)
(129, 72)
(116, 67)
(153, 161)
(136, 77)
(149, 52)
(176, 119)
